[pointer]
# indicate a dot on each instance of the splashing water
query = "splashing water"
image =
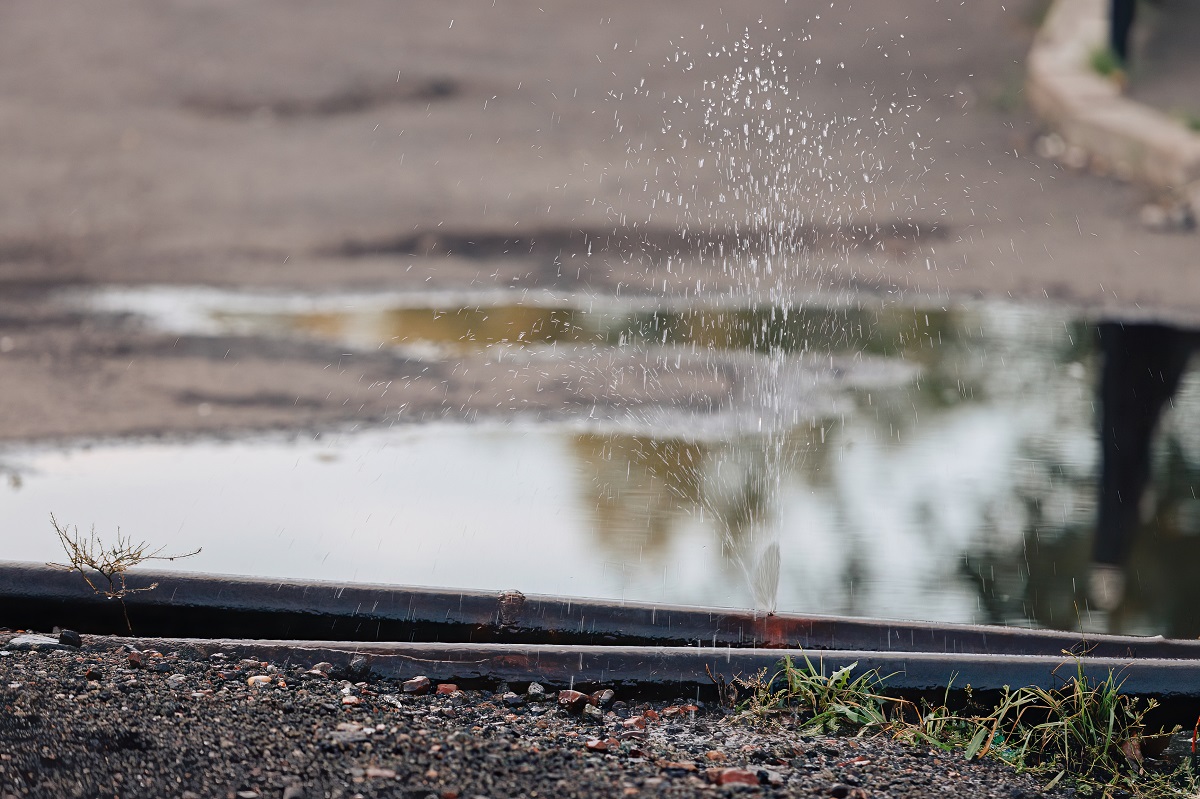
(799, 191)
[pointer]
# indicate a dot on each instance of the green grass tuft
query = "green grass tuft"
(1106, 62)
(1084, 734)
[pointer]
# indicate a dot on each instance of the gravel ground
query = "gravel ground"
(102, 721)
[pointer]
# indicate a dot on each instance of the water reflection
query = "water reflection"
(966, 493)
(1143, 367)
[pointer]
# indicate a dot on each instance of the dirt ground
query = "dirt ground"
(449, 146)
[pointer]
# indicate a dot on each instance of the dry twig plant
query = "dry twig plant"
(103, 567)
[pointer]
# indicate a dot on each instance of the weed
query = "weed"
(1083, 733)
(1084, 730)
(822, 703)
(935, 725)
(91, 558)
(1106, 63)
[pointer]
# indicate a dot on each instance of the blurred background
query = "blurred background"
(776, 304)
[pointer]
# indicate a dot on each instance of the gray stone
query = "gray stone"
(32, 642)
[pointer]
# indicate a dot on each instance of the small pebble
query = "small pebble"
(731, 776)
(70, 638)
(603, 698)
(573, 701)
(417, 685)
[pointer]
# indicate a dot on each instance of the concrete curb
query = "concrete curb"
(1120, 136)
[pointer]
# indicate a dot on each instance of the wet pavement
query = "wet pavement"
(1165, 66)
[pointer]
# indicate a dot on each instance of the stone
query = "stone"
(70, 638)
(134, 659)
(258, 681)
(176, 680)
(323, 668)
(634, 723)
(32, 642)
(447, 688)
(375, 772)
(351, 701)
(675, 765)
(573, 701)
(597, 745)
(715, 756)
(417, 685)
(593, 714)
(603, 697)
(1154, 217)
(359, 666)
(293, 792)
(513, 700)
(731, 776)
(536, 692)
(1051, 146)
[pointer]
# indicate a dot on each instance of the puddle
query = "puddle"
(965, 491)
(456, 323)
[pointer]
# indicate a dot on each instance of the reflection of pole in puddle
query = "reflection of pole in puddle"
(1143, 366)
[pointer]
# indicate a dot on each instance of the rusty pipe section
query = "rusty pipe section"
(190, 605)
(683, 670)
